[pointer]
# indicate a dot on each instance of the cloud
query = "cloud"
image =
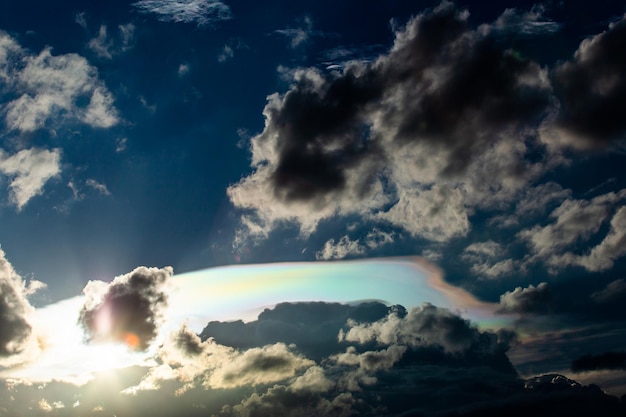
(592, 90)
(528, 300)
(577, 220)
(515, 23)
(201, 12)
(29, 170)
(614, 291)
(418, 138)
(106, 47)
(424, 326)
(346, 247)
(17, 339)
(46, 89)
(603, 361)
(101, 188)
(185, 358)
(300, 35)
(128, 310)
(482, 256)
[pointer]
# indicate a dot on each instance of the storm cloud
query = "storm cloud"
(128, 310)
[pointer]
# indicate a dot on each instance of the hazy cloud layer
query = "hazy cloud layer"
(127, 310)
(200, 12)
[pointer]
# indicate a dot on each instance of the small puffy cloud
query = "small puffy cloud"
(101, 188)
(49, 89)
(17, 339)
(371, 360)
(483, 257)
(592, 92)
(533, 299)
(127, 310)
(29, 170)
(614, 291)
(347, 247)
(200, 12)
(183, 69)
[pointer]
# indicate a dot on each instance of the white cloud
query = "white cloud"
(29, 170)
(183, 69)
(49, 88)
(101, 45)
(347, 247)
(201, 12)
(485, 259)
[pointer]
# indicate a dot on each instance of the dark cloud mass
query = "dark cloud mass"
(127, 310)
(603, 361)
(592, 89)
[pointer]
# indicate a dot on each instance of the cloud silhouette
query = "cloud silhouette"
(128, 310)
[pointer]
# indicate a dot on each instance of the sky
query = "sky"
(393, 197)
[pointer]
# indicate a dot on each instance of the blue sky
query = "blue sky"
(486, 138)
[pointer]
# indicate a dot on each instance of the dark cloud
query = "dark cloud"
(529, 300)
(401, 137)
(615, 291)
(592, 89)
(127, 310)
(15, 329)
(603, 361)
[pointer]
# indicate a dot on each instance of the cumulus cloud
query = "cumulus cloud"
(51, 88)
(17, 339)
(529, 300)
(200, 12)
(417, 138)
(592, 90)
(424, 326)
(347, 247)
(575, 221)
(185, 358)
(29, 170)
(127, 310)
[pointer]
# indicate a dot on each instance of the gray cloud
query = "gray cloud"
(201, 12)
(16, 332)
(128, 310)
(529, 300)
(613, 292)
(603, 361)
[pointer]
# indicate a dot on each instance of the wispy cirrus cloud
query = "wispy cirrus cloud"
(200, 12)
